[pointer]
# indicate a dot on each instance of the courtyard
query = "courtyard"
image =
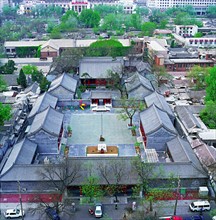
(88, 127)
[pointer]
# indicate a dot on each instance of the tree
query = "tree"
(128, 108)
(32, 70)
(211, 11)
(60, 176)
(156, 16)
(44, 84)
(115, 81)
(208, 114)
(198, 34)
(112, 173)
(161, 74)
(8, 68)
(183, 18)
(68, 61)
(5, 113)
(90, 187)
(197, 77)
(108, 9)
(89, 18)
(148, 28)
(142, 11)
(3, 84)
(21, 80)
(108, 47)
(210, 80)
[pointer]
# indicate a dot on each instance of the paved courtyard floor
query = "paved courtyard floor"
(87, 128)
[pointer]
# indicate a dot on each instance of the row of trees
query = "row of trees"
(36, 76)
(202, 78)
(112, 174)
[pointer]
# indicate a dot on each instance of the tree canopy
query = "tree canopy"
(89, 18)
(148, 28)
(211, 85)
(5, 113)
(110, 47)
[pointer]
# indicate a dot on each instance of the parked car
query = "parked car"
(174, 217)
(200, 206)
(98, 210)
(194, 217)
(214, 217)
(51, 212)
(13, 213)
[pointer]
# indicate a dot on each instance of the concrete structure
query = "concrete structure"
(186, 30)
(200, 6)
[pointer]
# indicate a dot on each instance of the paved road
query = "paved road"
(163, 208)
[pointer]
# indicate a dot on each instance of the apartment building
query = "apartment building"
(200, 6)
(186, 30)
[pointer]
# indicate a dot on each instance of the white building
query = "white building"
(199, 5)
(186, 30)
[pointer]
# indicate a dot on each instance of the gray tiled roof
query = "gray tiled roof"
(153, 118)
(159, 101)
(97, 67)
(10, 79)
(32, 172)
(142, 66)
(66, 81)
(42, 102)
(22, 153)
(181, 151)
(32, 88)
(186, 117)
(49, 120)
(136, 81)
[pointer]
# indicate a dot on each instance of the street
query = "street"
(162, 208)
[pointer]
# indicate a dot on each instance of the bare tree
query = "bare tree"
(59, 177)
(113, 173)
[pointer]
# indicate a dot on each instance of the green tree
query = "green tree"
(91, 189)
(198, 34)
(68, 61)
(142, 11)
(211, 11)
(108, 47)
(136, 21)
(161, 74)
(3, 84)
(8, 68)
(210, 80)
(55, 33)
(208, 114)
(128, 109)
(89, 18)
(44, 84)
(108, 9)
(148, 28)
(197, 77)
(21, 80)
(32, 70)
(157, 16)
(5, 113)
(183, 18)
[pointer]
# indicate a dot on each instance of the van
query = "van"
(13, 213)
(200, 206)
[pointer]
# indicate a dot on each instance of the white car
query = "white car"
(214, 217)
(13, 213)
(98, 210)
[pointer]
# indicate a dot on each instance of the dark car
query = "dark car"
(51, 212)
(194, 217)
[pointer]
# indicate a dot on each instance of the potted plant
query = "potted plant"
(133, 130)
(69, 131)
(137, 147)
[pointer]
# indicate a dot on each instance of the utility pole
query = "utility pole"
(20, 199)
(177, 194)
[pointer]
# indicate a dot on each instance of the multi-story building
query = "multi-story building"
(199, 5)
(186, 30)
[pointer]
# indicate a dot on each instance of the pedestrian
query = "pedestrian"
(116, 206)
